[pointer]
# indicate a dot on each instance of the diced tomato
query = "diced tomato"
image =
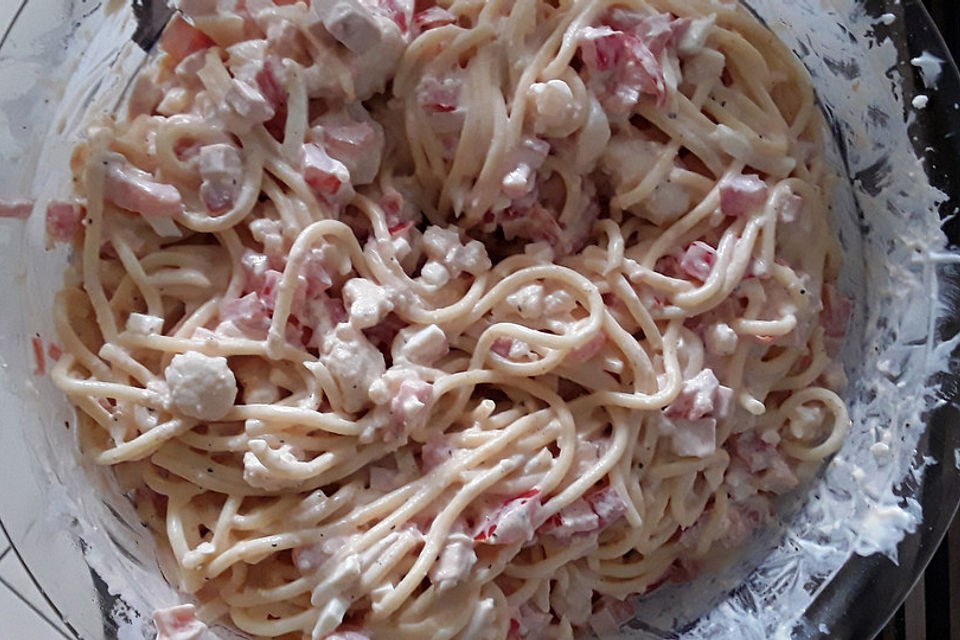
(432, 18)
(180, 39)
(326, 183)
(512, 522)
(276, 94)
(327, 177)
(54, 352)
(64, 220)
(20, 209)
(38, 357)
(400, 227)
(395, 12)
(625, 65)
(609, 48)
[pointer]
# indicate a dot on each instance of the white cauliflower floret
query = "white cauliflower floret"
(144, 324)
(354, 364)
(367, 302)
(555, 112)
(445, 248)
(201, 387)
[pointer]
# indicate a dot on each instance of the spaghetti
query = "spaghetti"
(474, 321)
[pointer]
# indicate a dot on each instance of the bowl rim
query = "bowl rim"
(875, 579)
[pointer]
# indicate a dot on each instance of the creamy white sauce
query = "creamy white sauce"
(875, 519)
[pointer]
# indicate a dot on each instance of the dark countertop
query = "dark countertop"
(946, 13)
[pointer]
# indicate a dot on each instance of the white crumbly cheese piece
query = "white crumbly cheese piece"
(258, 474)
(367, 302)
(706, 66)
(143, 324)
(405, 395)
(434, 274)
(576, 600)
(577, 517)
(695, 438)
(695, 36)
(455, 561)
(721, 339)
(921, 102)
(559, 302)
(350, 22)
(328, 595)
(422, 345)
(483, 621)
(527, 301)
(732, 142)
(248, 106)
(667, 203)
(445, 248)
(201, 386)
(628, 158)
(524, 162)
(354, 364)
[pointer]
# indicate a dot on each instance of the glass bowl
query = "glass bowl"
(848, 550)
